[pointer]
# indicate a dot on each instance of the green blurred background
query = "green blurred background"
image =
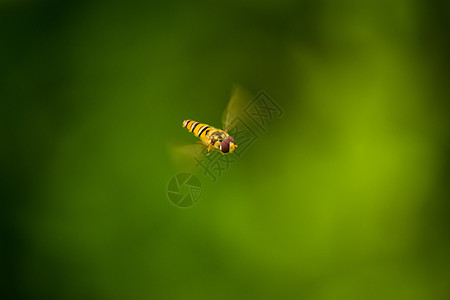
(344, 197)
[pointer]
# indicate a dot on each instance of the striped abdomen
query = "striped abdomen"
(199, 129)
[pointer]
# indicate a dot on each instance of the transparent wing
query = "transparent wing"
(240, 97)
(183, 157)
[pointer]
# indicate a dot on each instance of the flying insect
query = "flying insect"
(211, 137)
(218, 139)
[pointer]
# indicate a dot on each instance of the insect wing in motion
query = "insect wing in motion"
(240, 97)
(181, 156)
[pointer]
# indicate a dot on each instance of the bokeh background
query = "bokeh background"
(345, 197)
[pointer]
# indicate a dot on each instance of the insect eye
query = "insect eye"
(225, 146)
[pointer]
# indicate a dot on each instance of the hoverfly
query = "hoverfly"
(218, 139)
(211, 137)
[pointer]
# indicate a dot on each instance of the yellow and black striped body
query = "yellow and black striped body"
(203, 131)
(212, 137)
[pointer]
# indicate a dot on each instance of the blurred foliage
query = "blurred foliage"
(345, 197)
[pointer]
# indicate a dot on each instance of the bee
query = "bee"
(218, 139)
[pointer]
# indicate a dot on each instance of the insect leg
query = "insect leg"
(208, 146)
